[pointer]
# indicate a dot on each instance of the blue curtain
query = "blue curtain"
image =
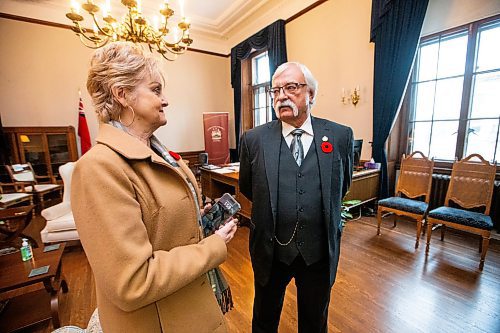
(271, 38)
(396, 27)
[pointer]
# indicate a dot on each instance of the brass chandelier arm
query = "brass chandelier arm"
(99, 27)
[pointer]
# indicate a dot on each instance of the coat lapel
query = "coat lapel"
(272, 143)
(324, 160)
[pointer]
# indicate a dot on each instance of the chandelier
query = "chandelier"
(134, 27)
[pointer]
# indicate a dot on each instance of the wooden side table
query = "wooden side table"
(34, 307)
(13, 221)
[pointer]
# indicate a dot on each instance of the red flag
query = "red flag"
(83, 129)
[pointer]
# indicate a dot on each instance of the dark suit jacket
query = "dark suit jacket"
(258, 181)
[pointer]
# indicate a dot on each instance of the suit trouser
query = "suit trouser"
(313, 296)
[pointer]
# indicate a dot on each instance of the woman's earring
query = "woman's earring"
(133, 117)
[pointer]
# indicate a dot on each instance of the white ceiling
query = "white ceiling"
(216, 25)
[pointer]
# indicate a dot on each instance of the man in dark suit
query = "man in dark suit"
(295, 170)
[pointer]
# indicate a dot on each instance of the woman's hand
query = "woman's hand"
(227, 231)
(205, 209)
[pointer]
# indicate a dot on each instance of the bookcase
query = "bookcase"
(46, 148)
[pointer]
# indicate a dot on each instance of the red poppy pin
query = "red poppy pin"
(326, 146)
(175, 155)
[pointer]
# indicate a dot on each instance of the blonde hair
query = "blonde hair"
(117, 65)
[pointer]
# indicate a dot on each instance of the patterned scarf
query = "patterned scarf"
(219, 284)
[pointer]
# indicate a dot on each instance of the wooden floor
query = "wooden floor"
(383, 284)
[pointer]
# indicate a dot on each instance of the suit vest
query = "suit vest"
(300, 204)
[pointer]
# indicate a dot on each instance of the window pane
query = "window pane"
(419, 137)
(452, 55)
(448, 99)
(427, 62)
(488, 54)
(486, 96)
(444, 140)
(261, 69)
(481, 138)
(424, 105)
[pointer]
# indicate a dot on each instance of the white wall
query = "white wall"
(42, 68)
(445, 14)
(333, 41)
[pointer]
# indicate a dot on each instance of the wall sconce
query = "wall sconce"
(353, 97)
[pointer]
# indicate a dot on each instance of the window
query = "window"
(455, 94)
(261, 107)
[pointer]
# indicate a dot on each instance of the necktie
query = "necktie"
(296, 146)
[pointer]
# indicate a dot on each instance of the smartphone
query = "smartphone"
(225, 208)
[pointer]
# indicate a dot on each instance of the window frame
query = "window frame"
(472, 33)
(247, 91)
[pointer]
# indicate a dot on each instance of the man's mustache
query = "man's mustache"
(290, 104)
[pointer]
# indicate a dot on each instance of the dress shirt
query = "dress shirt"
(306, 138)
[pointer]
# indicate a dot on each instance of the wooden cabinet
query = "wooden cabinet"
(46, 148)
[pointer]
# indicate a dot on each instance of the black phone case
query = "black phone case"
(220, 212)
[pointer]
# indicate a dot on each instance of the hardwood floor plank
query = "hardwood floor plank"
(383, 284)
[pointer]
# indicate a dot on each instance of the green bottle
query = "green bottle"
(26, 251)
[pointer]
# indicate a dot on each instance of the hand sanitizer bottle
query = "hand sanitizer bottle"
(26, 251)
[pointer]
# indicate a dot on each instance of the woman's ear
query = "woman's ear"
(119, 93)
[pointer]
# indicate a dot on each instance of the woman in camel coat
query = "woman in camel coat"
(136, 207)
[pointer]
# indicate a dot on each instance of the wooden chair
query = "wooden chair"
(471, 186)
(15, 196)
(414, 182)
(24, 173)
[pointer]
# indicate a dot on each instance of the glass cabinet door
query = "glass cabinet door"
(33, 151)
(59, 152)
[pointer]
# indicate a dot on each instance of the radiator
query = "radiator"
(438, 194)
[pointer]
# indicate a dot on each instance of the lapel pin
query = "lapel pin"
(324, 139)
(174, 155)
(326, 147)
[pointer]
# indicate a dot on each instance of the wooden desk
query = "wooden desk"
(364, 186)
(37, 306)
(213, 185)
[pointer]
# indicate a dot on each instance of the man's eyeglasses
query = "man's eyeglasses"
(291, 88)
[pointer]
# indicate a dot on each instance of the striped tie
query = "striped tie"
(296, 146)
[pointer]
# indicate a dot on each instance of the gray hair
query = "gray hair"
(312, 83)
(119, 64)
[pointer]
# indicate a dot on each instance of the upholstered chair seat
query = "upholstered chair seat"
(464, 217)
(409, 205)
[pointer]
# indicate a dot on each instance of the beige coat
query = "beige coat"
(137, 222)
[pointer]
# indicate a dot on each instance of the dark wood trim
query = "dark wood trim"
(35, 21)
(69, 27)
(209, 52)
(305, 10)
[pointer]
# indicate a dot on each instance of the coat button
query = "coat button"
(299, 175)
(271, 239)
(301, 209)
(301, 191)
(301, 227)
(300, 243)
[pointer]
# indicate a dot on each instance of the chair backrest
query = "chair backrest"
(66, 172)
(471, 183)
(415, 176)
(21, 172)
